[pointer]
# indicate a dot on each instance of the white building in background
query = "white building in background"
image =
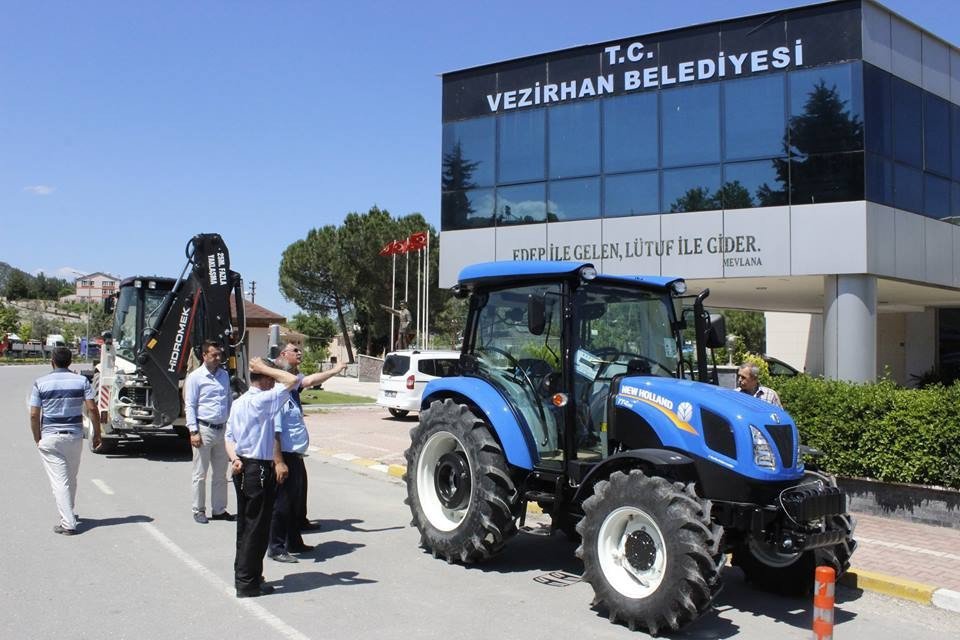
(94, 286)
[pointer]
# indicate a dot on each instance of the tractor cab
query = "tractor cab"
(555, 344)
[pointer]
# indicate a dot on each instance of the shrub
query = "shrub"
(879, 430)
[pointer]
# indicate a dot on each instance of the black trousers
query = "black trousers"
(285, 524)
(301, 518)
(256, 487)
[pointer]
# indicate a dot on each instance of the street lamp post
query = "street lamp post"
(86, 354)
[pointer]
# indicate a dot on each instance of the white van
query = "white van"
(406, 373)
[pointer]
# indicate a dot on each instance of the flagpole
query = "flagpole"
(418, 303)
(426, 294)
(393, 299)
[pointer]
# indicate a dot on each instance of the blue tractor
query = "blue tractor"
(574, 394)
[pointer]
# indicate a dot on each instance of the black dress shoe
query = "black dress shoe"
(282, 557)
(310, 526)
(244, 593)
(64, 531)
(266, 589)
(300, 548)
(229, 517)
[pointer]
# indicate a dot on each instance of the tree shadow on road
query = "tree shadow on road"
(310, 580)
(87, 524)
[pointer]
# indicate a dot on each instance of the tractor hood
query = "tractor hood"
(715, 423)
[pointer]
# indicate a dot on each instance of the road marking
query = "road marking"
(103, 486)
(256, 610)
(906, 547)
(345, 456)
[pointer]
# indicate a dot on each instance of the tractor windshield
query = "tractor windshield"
(620, 329)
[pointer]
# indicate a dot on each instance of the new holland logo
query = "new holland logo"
(775, 417)
(685, 411)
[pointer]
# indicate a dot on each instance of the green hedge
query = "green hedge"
(879, 430)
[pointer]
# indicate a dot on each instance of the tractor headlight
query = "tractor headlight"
(679, 287)
(762, 451)
(588, 272)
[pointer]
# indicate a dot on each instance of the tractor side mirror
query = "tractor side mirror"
(108, 304)
(717, 332)
(536, 314)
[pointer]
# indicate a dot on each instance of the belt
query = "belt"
(65, 433)
(211, 425)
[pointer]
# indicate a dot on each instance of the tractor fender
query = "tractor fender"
(510, 428)
(667, 462)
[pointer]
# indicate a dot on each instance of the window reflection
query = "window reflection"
(878, 110)
(936, 141)
(833, 177)
(754, 184)
(936, 196)
(907, 188)
(630, 138)
(521, 143)
(696, 189)
(879, 187)
(575, 139)
(574, 200)
(907, 123)
(691, 125)
(631, 194)
(825, 110)
(521, 204)
(955, 140)
(466, 209)
(754, 117)
(468, 150)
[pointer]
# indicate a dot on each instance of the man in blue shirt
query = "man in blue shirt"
(257, 465)
(289, 510)
(206, 402)
(56, 419)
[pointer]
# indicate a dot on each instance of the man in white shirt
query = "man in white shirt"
(206, 401)
(256, 461)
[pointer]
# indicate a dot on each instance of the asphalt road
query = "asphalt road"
(141, 568)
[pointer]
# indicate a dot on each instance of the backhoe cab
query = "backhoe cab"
(575, 395)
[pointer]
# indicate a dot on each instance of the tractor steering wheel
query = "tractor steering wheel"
(617, 355)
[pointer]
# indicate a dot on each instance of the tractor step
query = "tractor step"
(539, 496)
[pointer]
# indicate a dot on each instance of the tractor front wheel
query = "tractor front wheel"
(649, 551)
(459, 489)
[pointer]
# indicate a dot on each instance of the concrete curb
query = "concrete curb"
(854, 578)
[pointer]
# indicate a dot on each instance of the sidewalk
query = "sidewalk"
(900, 559)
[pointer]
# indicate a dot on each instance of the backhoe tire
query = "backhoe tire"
(794, 574)
(459, 488)
(398, 413)
(649, 551)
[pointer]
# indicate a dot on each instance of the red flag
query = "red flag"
(387, 249)
(417, 241)
(400, 246)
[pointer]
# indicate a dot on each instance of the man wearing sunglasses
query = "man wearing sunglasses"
(290, 508)
(748, 382)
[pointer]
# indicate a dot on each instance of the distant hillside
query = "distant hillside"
(45, 288)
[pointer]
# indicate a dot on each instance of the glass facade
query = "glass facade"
(561, 142)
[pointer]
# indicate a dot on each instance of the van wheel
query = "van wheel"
(399, 413)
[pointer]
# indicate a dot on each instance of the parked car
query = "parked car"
(778, 367)
(405, 374)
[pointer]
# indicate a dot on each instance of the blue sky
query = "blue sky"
(128, 127)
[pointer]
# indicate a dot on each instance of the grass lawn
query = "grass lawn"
(328, 397)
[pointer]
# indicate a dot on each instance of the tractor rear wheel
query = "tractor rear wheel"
(459, 489)
(650, 551)
(794, 574)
